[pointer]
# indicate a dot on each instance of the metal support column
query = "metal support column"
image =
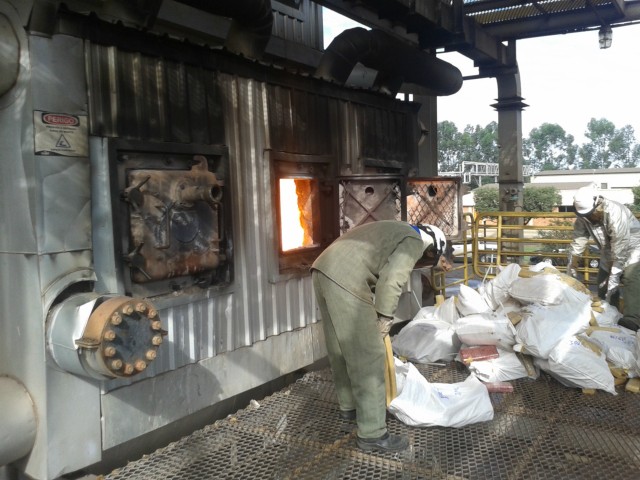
(509, 107)
(428, 139)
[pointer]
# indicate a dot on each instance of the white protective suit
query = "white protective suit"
(618, 237)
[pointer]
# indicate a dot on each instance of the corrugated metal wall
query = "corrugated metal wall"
(162, 101)
(144, 98)
(302, 25)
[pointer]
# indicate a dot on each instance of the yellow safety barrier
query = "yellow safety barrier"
(500, 238)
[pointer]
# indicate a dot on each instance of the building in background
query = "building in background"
(613, 183)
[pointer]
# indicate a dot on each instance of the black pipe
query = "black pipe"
(251, 24)
(395, 61)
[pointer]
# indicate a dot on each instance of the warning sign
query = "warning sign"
(60, 134)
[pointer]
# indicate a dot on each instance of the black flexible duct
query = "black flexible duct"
(251, 24)
(395, 61)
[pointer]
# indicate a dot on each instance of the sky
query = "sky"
(565, 79)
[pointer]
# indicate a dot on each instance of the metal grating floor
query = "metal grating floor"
(542, 430)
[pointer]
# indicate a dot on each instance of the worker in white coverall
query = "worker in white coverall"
(617, 232)
(358, 281)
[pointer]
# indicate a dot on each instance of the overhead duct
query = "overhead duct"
(251, 24)
(395, 61)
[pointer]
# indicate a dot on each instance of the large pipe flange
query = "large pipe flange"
(105, 337)
(122, 337)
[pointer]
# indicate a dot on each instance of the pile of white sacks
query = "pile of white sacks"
(538, 318)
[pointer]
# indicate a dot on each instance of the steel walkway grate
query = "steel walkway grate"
(542, 430)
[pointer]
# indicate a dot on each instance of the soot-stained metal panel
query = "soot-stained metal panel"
(364, 200)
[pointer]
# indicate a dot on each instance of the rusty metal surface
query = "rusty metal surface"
(541, 430)
(436, 201)
(364, 200)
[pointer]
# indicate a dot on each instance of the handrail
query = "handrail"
(500, 238)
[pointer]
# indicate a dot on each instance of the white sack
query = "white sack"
(496, 292)
(581, 366)
(426, 339)
(542, 289)
(618, 346)
(502, 369)
(447, 311)
(470, 302)
(486, 329)
(423, 404)
(609, 317)
(544, 326)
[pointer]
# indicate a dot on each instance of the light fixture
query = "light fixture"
(605, 36)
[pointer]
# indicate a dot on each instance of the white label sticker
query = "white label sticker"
(60, 134)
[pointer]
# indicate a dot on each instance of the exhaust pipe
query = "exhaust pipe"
(396, 62)
(251, 25)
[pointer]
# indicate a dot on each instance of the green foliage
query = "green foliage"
(473, 144)
(635, 206)
(486, 199)
(540, 199)
(534, 199)
(548, 147)
(556, 234)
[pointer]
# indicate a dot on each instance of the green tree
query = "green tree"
(448, 147)
(539, 199)
(549, 147)
(607, 146)
(473, 144)
(635, 206)
(534, 199)
(486, 199)
(622, 149)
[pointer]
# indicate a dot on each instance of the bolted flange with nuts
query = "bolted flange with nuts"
(121, 337)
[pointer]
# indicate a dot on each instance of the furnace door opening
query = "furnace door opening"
(298, 212)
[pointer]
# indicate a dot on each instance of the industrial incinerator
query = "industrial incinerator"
(149, 166)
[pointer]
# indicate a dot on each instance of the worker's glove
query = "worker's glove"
(613, 284)
(571, 269)
(384, 324)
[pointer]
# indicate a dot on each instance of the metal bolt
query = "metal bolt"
(116, 364)
(128, 369)
(150, 355)
(116, 319)
(156, 325)
(152, 313)
(156, 340)
(141, 307)
(109, 351)
(127, 309)
(109, 335)
(140, 365)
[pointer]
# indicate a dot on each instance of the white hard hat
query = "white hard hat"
(434, 236)
(584, 200)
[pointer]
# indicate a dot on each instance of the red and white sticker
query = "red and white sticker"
(60, 134)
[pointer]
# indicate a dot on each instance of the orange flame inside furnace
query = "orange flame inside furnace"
(291, 230)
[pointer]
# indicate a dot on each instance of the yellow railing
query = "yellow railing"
(500, 238)
(461, 271)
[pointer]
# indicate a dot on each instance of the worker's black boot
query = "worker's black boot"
(385, 443)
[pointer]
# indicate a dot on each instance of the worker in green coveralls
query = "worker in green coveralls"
(358, 281)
